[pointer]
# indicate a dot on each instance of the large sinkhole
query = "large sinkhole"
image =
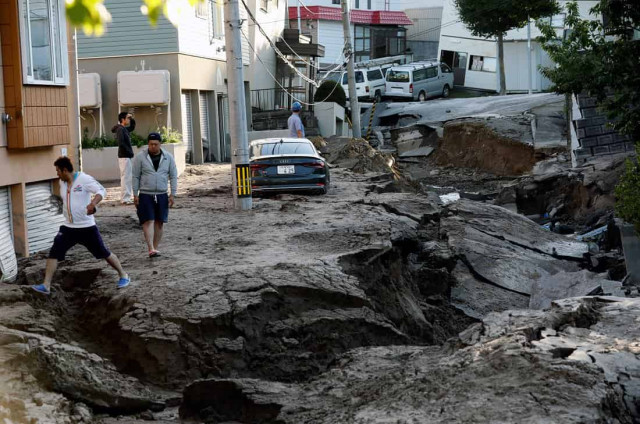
(287, 333)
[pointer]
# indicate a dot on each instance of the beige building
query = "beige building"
(38, 124)
(193, 53)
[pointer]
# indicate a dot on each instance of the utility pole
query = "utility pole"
(351, 75)
(240, 170)
(529, 53)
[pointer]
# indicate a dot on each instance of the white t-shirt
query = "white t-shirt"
(76, 198)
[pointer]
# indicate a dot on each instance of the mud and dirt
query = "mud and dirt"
(260, 316)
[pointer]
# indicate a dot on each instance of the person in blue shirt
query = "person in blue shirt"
(296, 129)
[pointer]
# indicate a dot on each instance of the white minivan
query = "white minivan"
(419, 81)
(370, 83)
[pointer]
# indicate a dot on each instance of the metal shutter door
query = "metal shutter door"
(8, 262)
(43, 217)
(204, 115)
(186, 123)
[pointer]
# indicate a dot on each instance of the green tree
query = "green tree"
(493, 18)
(330, 91)
(603, 61)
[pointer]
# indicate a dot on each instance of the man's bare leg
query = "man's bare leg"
(115, 264)
(157, 233)
(52, 265)
(148, 236)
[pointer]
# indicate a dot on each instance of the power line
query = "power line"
(275, 79)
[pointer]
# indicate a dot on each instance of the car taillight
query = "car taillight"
(366, 89)
(256, 166)
(411, 88)
(313, 164)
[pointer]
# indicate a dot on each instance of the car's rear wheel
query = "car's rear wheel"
(445, 91)
(422, 96)
(327, 184)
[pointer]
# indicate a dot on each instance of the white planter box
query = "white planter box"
(331, 119)
(102, 164)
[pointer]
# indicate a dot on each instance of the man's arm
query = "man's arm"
(132, 124)
(94, 187)
(136, 171)
(173, 180)
(299, 127)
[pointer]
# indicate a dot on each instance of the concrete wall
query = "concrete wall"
(330, 118)
(146, 118)
(258, 135)
(102, 164)
(426, 24)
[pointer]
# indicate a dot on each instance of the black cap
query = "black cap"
(154, 136)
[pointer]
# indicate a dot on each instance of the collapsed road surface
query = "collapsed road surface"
(366, 305)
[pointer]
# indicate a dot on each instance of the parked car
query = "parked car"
(419, 81)
(287, 164)
(370, 83)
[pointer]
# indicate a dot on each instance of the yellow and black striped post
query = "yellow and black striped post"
(373, 112)
(243, 177)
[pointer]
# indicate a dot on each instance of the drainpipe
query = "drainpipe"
(529, 53)
(75, 47)
(299, 27)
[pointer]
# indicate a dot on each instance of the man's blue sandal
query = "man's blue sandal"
(123, 282)
(41, 288)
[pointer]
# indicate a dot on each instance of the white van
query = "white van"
(419, 81)
(370, 83)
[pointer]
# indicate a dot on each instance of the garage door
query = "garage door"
(8, 262)
(187, 133)
(44, 217)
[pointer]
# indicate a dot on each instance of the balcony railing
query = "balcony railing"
(269, 99)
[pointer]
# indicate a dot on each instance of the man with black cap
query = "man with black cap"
(153, 169)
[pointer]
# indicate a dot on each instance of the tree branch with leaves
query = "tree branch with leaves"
(494, 18)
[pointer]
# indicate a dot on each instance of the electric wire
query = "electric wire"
(275, 79)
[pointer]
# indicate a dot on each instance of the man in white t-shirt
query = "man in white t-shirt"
(80, 227)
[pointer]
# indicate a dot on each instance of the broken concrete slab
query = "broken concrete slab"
(631, 248)
(538, 357)
(419, 152)
(562, 285)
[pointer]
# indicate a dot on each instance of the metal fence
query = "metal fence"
(269, 99)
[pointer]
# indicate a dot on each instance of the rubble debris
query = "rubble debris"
(357, 155)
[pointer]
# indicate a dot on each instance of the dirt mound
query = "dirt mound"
(475, 144)
(355, 154)
(318, 142)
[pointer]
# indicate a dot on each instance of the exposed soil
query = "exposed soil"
(473, 144)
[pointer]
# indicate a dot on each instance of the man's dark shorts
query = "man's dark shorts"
(88, 237)
(153, 207)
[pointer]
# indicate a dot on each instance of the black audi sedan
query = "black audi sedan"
(287, 164)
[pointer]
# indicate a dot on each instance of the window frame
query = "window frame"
(59, 39)
(202, 10)
(215, 19)
(482, 63)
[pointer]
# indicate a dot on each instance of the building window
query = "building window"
(44, 35)
(201, 10)
(482, 64)
(556, 21)
(357, 4)
(369, 4)
(335, 1)
(216, 30)
(362, 43)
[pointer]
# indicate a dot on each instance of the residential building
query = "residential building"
(376, 30)
(193, 53)
(474, 59)
(38, 124)
(423, 36)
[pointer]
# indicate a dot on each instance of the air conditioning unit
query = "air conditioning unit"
(90, 90)
(144, 88)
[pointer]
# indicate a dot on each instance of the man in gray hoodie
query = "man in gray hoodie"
(153, 169)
